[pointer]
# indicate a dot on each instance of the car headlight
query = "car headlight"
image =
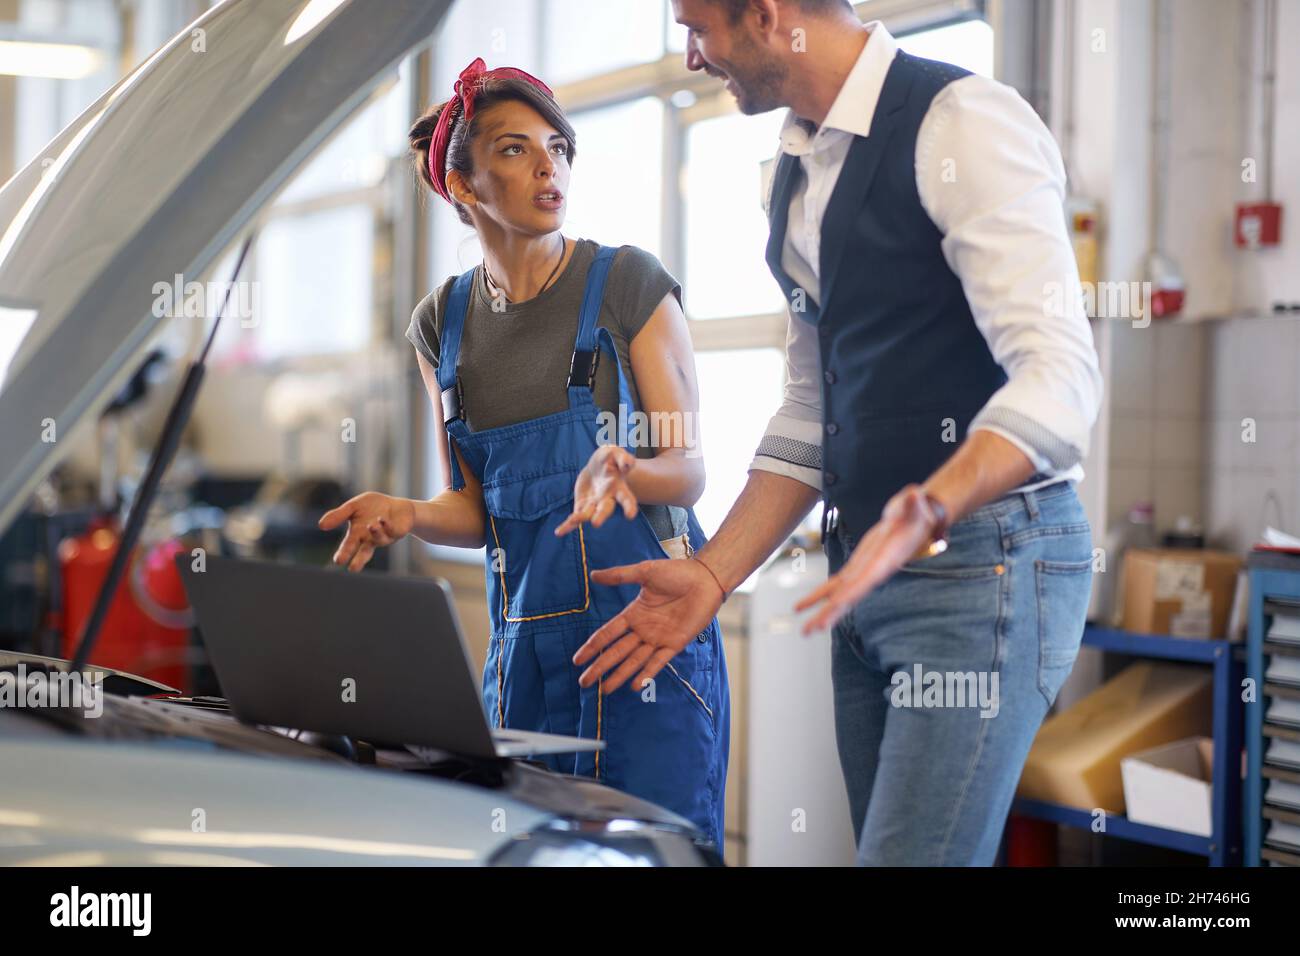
(603, 843)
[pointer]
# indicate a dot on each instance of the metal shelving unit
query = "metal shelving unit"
(1223, 846)
(1272, 589)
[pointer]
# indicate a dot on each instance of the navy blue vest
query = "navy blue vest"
(904, 367)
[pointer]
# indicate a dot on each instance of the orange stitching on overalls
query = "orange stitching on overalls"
(501, 683)
(600, 700)
(691, 689)
(505, 594)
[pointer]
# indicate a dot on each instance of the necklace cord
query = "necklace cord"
(492, 283)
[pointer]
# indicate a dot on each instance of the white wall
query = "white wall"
(1177, 393)
(1262, 277)
(1254, 361)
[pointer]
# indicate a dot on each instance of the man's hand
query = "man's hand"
(903, 529)
(984, 468)
(601, 487)
(678, 599)
(374, 521)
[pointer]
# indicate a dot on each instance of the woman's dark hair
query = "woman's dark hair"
(495, 90)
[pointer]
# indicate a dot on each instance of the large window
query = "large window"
(315, 282)
(739, 391)
(615, 189)
(313, 263)
(50, 91)
(726, 229)
(582, 39)
(968, 44)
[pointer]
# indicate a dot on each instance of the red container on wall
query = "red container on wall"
(1257, 225)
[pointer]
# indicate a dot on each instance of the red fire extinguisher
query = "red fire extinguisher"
(146, 630)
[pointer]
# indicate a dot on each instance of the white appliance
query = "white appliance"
(797, 808)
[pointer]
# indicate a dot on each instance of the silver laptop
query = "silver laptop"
(376, 657)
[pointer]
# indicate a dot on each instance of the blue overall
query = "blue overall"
(667, 742)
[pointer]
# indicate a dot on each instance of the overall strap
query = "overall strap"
(591, 340)
(453, 397)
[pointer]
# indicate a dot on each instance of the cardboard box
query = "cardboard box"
(1075, 759)
(1170, 786)
(1180, 591)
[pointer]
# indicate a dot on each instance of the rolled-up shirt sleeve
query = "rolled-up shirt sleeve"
(792, 444)
(990, 176)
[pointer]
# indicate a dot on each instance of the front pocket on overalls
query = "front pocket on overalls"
(695, 697)
(664, 741)
(534, 573)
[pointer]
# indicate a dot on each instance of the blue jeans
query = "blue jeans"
(943, 675)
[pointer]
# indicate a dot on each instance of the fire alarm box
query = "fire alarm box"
(1082, 216)
(1258, 225)
(1168, 291)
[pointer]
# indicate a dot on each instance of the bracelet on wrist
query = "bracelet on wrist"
(725, 595)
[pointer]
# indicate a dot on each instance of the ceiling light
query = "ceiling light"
(59, 61)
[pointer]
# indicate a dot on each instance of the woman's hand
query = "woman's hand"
(374, 521)
(601, 487)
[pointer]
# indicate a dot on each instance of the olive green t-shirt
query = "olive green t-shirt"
(514, 361)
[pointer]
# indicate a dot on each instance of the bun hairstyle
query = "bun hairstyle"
(492, 90)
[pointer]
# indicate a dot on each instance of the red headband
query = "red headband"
(466, 88)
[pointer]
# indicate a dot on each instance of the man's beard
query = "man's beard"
(760, 94)
(759, 84)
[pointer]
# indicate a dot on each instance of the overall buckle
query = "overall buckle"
(582, 369)
(453, 402)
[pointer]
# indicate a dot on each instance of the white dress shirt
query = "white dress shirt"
(990, 177)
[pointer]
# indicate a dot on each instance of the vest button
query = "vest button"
(830, 477)
(832, 428)
(829, 376)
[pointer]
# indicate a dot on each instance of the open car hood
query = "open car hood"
(157, 178)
